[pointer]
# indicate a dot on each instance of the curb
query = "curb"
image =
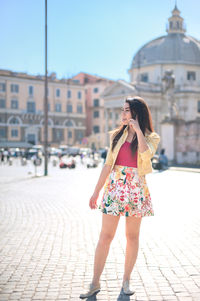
(187, 169)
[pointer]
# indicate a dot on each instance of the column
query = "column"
(113, 119)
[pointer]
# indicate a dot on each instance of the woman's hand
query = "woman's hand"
(93, 200)
(134, 124)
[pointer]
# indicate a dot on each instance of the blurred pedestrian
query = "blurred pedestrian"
(2, 156)
(5, 153)
(132, 145)
(163, 159)
(104, 154)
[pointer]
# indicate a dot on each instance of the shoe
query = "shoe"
(92, 290)
(126, 289)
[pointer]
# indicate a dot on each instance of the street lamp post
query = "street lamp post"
(45, 102)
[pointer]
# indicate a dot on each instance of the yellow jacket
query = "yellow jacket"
(144, 164)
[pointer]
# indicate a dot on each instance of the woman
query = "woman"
(126, 193)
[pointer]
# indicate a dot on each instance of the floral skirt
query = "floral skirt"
(126, 193)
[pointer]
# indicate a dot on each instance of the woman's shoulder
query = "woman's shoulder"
(113, 132)
(152, 135)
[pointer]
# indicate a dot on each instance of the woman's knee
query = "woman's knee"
(132, 237)
(106, 238)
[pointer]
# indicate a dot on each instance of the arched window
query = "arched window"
(50, 122)
(69, 123)
(14, 120)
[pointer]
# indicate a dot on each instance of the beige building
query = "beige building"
(95, 112)
(180, 53)
(22, 114)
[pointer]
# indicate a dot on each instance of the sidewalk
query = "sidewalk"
(185, 168)
(48, 236)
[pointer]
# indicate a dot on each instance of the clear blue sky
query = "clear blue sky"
(94, 36)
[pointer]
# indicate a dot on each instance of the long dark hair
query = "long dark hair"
(139, 108)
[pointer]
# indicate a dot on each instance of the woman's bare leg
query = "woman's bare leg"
(109, 226)
(132, 235)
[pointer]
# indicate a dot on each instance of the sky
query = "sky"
(94, 36)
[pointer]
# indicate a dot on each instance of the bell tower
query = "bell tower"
(176, 22)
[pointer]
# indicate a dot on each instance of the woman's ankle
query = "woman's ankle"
(126, 279)
(95, 282)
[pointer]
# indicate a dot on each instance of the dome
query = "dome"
(175, 47)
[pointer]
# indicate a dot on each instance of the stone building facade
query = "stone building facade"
(95, 113)
(22, 114)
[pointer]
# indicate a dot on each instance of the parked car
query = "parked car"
(73, 151)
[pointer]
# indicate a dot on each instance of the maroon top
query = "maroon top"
(125, 156)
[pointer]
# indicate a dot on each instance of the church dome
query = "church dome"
(175, 47)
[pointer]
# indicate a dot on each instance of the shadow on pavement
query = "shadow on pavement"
(121, 297)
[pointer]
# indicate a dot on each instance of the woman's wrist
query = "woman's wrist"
(96, 191)
(139, 132)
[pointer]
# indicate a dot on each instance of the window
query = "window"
(79, 135)
(57, 92)
(2, 103)
(2, 87)
(69, 134)
(58, 107)
(79, 108)
(69, 94)
(58, 134)
(69, 107)
(31, 107)
(14, 88)
(96, 114)
(2, 133)
(14, 133)
(76, 81)
(144, 77)
(96, 129)
(14, 104)
(69, 123)
(14, 120)
(198, 106)
(95, 90)
(30, 90)
(31, 138)
(79, 95)
(96, 102)
(191, 75)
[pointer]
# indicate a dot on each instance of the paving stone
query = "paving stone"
(50, 235)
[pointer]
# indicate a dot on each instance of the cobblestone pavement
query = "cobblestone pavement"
(49, 234)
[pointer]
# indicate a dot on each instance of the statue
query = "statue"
(168, 89)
